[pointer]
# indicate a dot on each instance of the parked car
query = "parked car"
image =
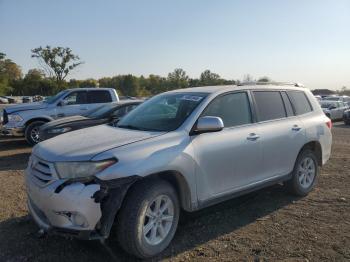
(27, 99)
(25, 119)
(4, 100)
(11, 100)
(333, 109)
(106, 114)
(181, 150)
(345, 99)
(346, 117)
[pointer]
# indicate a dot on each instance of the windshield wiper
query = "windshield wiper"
(138, 128)
(131, 127)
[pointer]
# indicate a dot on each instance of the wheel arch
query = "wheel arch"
(316, 147)
(36, 119)
(178, 181)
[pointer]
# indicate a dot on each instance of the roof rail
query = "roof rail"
(271, 83)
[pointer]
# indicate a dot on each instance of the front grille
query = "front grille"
(41, 171)
(5, 117)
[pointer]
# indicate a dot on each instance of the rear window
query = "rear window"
(300, 102)
(99, 96)
(269, 105)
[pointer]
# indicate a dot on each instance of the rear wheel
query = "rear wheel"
(304, 174)
(148, 219)
(32, 133)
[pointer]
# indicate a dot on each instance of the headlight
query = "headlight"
(59, 130)
(82, 169)
(15, 118)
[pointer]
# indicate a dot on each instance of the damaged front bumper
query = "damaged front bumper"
(76, 209)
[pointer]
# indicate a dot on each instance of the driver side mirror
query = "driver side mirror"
(208, 124)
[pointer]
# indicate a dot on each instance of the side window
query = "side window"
(76, 98)
(234, 109)
(99, 96)
(120, 112)
(269, 105)
(130, 108)
(300, 102)
(287, 104)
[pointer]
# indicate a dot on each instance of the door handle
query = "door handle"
(83, 108)
(296, 128)
(253, 137)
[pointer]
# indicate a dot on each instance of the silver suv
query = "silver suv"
(181, 150)
(26, 119)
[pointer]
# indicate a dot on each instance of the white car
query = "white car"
(345, 99)
(333, 109)
(181, 150)
(3, 100)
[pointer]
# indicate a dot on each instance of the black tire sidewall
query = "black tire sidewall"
(150, 250)
(29, 129)
(294, 184)
(132, 217)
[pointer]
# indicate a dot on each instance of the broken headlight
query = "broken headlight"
(74, 170)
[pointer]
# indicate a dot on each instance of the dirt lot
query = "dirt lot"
(265, 226)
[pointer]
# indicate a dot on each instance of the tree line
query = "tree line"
(55, 64)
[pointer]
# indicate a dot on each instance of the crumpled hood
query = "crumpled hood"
(84, 144)
(24, 107)
(64, 120)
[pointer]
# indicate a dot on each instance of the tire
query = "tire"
(132, 220)
(302, 182)
(33, 127)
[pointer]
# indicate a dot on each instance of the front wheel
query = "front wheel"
(32, 133)
(304, 174)
(147, 222)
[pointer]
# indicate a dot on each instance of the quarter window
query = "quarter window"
(300, 102)
(269, 105)
(233, 109)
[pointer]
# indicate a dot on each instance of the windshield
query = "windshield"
(100, 111)
(162, 113)
(53, 99)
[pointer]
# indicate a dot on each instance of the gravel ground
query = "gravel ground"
(267, 225)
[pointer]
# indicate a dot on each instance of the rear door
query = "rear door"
(98, 97)
(282, 133)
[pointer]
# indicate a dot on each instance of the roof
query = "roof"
(225, 88)
(89, 88)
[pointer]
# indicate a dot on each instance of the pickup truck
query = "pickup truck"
(26, 119)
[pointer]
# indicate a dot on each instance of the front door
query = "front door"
(230, 159)
(75, 103)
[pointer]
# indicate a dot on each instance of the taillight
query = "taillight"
(329, 124)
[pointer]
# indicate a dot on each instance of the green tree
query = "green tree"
(57, 62)
(264, 79)
(9, 73)
(178, 79)
(208, 78)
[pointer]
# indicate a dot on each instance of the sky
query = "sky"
(304, 41)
